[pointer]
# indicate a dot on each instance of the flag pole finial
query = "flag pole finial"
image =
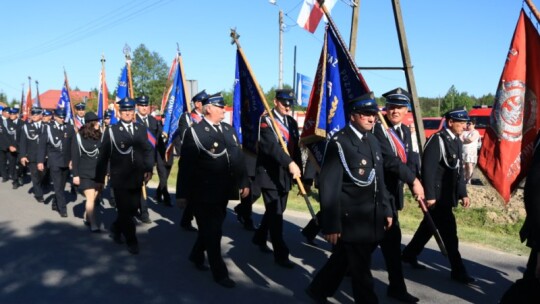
(102, 58)
(234, 37)
(127, 51)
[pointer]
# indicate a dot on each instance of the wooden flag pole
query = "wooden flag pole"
(235, 37)
(533, 9)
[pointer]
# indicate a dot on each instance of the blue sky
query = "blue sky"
(462, 42)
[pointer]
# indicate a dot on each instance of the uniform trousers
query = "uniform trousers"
(355, 257)
(245, 208)
(210, 219)
(446, 223)
(163, 172)
(4, 164)
(272, 221)
(15, 170)
(531, 265)
(187, 215)
(391, 250)
(59, 176)
(127, 201)
(37, 179)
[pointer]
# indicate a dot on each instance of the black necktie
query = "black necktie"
(218, 129)
(145, 120)
(129, 129)
(399, 133)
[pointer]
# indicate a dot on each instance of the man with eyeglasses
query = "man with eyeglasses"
(275, 171)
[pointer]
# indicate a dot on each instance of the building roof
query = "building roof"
(49, 99)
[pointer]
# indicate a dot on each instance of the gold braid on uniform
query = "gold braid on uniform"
(356, 181)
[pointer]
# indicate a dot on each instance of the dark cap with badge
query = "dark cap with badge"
(13, 110)
(398, 97)
(36, 111)
(215, 100)
(60, 112)
(200, 96)
(5, 109)
(90, 116)
(47, 112)
(80, 106)
(143, 100)
(285, 96)
(457, 114)
(364, 104)
(126, 104)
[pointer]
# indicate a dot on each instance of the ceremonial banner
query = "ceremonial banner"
(27, 105)
(65, 103)
(168, 86)
(507, 148)
(247, 105)
(37, 102)
(311, 14)
(337, 81)
(176, 105)
(103, 96)
(122, 91)
(304, 85)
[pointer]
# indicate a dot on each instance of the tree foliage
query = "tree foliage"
(149, 74)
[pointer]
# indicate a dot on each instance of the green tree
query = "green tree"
(486, 100)
(3, 97)
(149, 74)
(455, 99)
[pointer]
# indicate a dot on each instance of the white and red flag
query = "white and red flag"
(311, 14)
(508, 144)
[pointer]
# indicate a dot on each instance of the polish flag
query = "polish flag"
(311, 14)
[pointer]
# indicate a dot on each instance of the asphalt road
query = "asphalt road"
(48, 259)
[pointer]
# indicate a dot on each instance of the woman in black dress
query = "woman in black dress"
(84, 153)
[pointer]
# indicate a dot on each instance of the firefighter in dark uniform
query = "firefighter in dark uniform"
(155, 127)
(55, 147)
(355, 208)
(397, 171)
(4, 144)
(46, 120)
(187, 120)
(212, 171)
(143, 116)
(80, 110)
(14, 126)
(444, 185)
(126, 148)
(29, 146)
(275, 172)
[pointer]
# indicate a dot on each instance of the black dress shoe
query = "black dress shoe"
(133, 249)
(53, 206)
(188, 227)
(403, 296)
(285, 263)
(226, 282)
(40, 199)
(316, 297)
(463, 278)
(146, 220)
(5, 180)
(413, 262)
(15, 185)
(63, 214)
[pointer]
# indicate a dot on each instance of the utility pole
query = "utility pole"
(409, 75)
(280, 81)
(354, 27)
